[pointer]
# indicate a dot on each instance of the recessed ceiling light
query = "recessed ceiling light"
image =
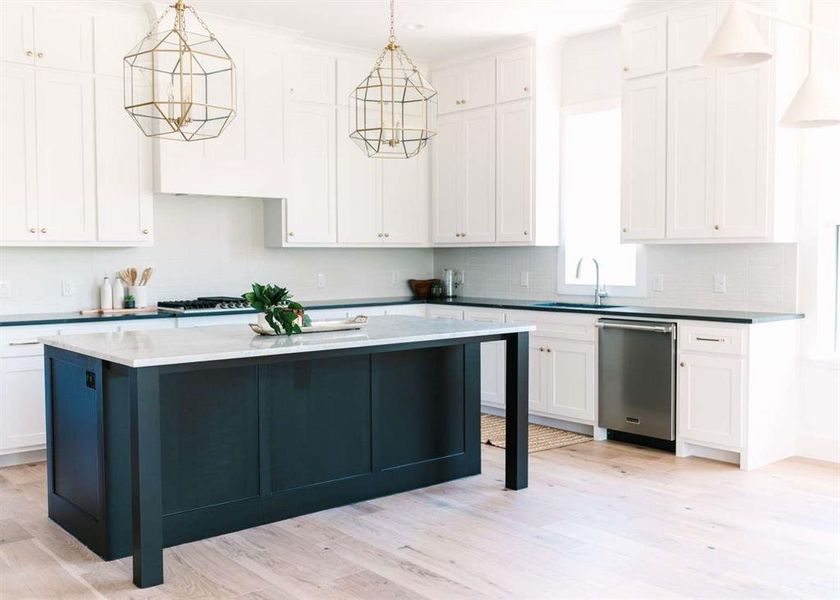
(413, 26)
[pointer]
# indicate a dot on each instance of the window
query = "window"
(837, 288)
(591, 205)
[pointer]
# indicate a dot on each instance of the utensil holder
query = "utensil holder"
(141, 295)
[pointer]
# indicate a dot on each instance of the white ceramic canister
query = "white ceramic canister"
(106, 298)
(141, 295)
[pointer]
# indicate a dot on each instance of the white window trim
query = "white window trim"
(622, 291)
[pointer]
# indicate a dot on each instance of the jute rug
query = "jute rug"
(540, 437)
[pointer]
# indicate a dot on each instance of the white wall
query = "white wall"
(205, 246)
(592, 67)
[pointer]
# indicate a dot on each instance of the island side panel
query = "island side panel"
(516, 411)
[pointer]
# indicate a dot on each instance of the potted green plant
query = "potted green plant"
(279, 311)
(128, 301)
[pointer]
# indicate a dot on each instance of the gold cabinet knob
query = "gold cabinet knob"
(682, 364)
(625, 69)
(378, 235)
(43, 230)
(548, 349)
(524, 233)
(291, 90)
(29, 53)
(145, 232)
(717, 227)
(525, 89)
(624, 229)
(291, 234)
(386, 235)
(40, 55)
(33, 230)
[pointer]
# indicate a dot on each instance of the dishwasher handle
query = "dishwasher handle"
(669, 328)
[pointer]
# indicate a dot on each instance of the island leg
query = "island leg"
(146, 500)
(516, 411)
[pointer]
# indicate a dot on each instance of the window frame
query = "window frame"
(640, 290)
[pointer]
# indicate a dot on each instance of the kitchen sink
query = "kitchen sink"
(574, 305)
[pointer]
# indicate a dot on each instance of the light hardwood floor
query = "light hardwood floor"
(600, 520)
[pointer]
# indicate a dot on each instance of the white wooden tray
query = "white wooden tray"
(320, 326)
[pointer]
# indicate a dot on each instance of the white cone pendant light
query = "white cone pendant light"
(737, 42)
(816, 104)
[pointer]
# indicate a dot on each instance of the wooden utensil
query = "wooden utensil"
(132, 272)
(147, 274)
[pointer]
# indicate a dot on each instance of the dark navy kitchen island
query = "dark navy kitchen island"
(157, 438)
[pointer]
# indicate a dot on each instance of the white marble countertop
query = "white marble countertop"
(159, 347)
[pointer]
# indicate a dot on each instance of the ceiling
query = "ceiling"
(449, 26)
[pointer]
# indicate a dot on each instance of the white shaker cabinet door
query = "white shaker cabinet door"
(478, 83)
(310, 206)
(492, 360)
(710, 392)
(22, 421)
(690, 166)
(310, 78)
(357, 190)
(445, 82)
(741, 151)
(446, 182)
(572, 384)
(64, 37)
(689, 31)
(18, 203)
(478, 218)
(16, 27)
(65, 156)
(514, 74)
(123, 169)
(643, 159)
(644, 47)
(514, 180)
(405, 204)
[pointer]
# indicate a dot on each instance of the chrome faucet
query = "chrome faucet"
(599, 293)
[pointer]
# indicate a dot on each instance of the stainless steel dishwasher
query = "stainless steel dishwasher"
(636, 378)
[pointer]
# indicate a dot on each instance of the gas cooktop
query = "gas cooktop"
(206, 304)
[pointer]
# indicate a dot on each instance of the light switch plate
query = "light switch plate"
(720, 282)
(659, 282)
(322, 280)
(523, 278)
(66, 287)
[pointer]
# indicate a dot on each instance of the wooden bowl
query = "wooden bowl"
(422, 288)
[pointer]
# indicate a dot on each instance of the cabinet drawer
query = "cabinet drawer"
(565, 326)
(444, 312)
(717, 340)
(23, 341)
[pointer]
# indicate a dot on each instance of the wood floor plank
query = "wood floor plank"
(599, 520)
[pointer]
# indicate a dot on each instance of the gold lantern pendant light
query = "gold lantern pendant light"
(179, 84)
(393, 111)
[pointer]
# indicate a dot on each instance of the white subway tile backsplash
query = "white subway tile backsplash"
(205, 246)
(758, 276)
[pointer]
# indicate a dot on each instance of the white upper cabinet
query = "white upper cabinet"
(691, 154)
(357, 191)
(115, 35)
(311, 202)
(463, 204)
(63, 37)
(123, 170)
(689, 31)
(310, 77)
(514, 74)
(18, 41)
(514, 178)
(465, 86)
(19, 201)
(643, 46)
(742, 153)
(65, 156)
(643, 158)
(405, 201)
(722, 173)
(48, 34)
(446, 181)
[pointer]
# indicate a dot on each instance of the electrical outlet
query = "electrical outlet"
(395, 277)
(659, 282)
(322, 280)
(523, 278)
(66, 287)
(5, 289)
(720, 283)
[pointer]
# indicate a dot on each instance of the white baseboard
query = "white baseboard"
(22, 458)
(817, 447)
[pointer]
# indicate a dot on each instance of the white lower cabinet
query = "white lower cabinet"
(710, 398)
(22, 423)
(492, 359)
